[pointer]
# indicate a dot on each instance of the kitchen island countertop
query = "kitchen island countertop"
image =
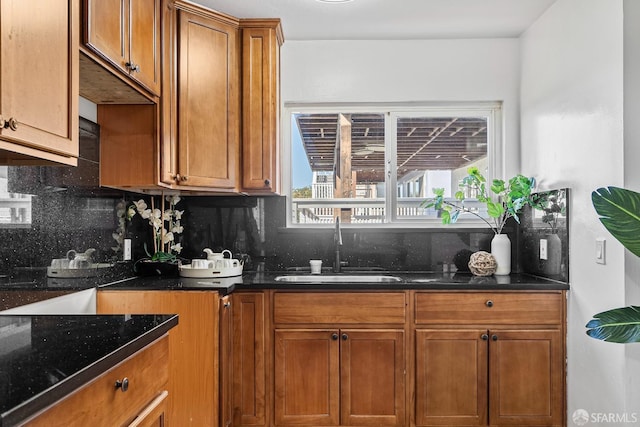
(45, 358)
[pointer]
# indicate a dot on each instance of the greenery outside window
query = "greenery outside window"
(375, 164)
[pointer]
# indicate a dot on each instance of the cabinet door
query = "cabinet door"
(106, 29)
(249, 357)
(39, 79)
(372, 377)
(144, 43)
(193, 348)
(260, 109)
(126, 33)
(451, 377)
(526, 382)
(307, 379)
(226, 368)
(208, 102)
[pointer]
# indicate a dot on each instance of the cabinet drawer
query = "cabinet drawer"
(457, 308)
(337, 307)
(100, 403)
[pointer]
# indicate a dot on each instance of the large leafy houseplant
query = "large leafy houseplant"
(504, 200)
(619, 211)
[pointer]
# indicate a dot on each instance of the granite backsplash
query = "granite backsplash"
(74, 214)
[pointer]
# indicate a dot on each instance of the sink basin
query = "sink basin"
(336, 278)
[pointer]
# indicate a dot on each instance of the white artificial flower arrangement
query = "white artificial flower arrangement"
(165, 225)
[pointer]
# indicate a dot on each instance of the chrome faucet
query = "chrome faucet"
(337, 242)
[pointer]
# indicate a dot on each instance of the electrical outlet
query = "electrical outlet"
(601, 251)
(543, 248)
(126, 250)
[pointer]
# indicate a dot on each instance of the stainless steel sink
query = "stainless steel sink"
(337, 278)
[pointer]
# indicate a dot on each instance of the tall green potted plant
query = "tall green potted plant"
(619, 211)
(504, 200)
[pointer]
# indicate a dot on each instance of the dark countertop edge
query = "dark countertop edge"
(401, 287)
(72, 383)
(258, 281)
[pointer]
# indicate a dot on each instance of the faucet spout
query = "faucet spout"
(337, 240)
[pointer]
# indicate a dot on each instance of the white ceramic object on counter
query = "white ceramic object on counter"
(188, 271)
(91, 270)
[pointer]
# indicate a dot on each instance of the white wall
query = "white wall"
(407, 70)
(572, 135)
(632, 176)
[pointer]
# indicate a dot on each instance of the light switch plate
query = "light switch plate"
(543, 248)
(126, 250)
(601, 251)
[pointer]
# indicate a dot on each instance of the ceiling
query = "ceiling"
(390, 19)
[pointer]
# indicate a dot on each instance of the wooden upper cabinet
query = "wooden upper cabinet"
(126, 33)
(261, 41)
(39, 81)
(208, 97)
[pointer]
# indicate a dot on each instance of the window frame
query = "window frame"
(491, 110)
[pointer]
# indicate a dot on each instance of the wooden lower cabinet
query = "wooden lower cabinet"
(339, 377)
(249, 351)
(194, 371)
(505, 374)
(451, 377)
(99, 403)
(339, 358)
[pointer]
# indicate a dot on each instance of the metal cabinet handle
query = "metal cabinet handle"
(133, 67)
(184, 178)
(345, 337)
(334, 336)
(489, 303)
(227, 304)
(494, 337)
(9, 124)
(123, 384)
(267, 182)
(485, 337)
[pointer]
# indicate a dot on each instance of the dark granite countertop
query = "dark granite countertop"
(44, 358)
(412, 280)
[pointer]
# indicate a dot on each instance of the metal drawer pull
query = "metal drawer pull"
(345, 337)
(9, 124)
(123, 385)
(484, 337)
(489, 303)
(334, 336)
(494, 337)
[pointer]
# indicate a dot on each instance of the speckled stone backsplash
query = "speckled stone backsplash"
(69, 211)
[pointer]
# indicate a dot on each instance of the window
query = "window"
(15, 209)
(377, 164)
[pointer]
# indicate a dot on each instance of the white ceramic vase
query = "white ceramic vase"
(501, 251)
(554, 254)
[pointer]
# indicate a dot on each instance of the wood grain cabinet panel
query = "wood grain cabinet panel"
(451, 377)
(490, 367)
(250, 371)
(340, 358)
(208, 102)
(526, 385)
(193, 351)
(261, 41)
(39, 82)
(126, 33)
